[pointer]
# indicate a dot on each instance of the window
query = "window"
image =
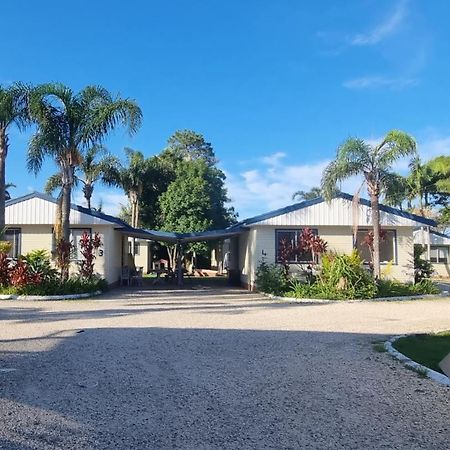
(387, 246)
(75, 236)
(137, 248)
(13, 235)
(287, 240)
(439, 254)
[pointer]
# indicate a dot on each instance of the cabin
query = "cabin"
(437, 250)
(342, 223)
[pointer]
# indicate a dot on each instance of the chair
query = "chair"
(125, 276)
(136, 277)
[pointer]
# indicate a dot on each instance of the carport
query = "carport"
(181, 239)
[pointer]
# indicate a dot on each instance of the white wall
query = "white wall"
(259, 243)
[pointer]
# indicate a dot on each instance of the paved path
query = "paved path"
(214, 369)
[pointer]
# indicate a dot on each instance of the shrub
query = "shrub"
(89, 245)
(271, 279)
(393, 288)
(422, 268)
(342, 277)
(4, 269)
(39, 264)
(5, 246)
(73, 285)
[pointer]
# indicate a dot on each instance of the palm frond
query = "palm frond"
(396, 145)
(53, 183)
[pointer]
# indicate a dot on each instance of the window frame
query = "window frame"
(18, 248)
(437, 248)
(292, 230)
(394, 243)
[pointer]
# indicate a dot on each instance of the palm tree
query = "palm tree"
(7, 187)
(356, 157)
(13, 112)
(69, 123)
(313, 193)
(96, 164)
(131, 179)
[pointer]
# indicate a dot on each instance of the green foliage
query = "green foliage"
(422, 268)
(393, 288)
(342, 277)
(271, 279)
(39, 264)
(73, 285)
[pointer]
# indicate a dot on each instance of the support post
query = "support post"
(428, 244)
(179, 265)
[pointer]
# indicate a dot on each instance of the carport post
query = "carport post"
(179, 265)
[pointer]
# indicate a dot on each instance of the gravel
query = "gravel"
(214, 369)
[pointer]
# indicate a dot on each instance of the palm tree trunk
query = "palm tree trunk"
(3, 154)
(376, 235)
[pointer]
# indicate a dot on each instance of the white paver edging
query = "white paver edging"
(376, 299)
(408, 362)
(50, 297)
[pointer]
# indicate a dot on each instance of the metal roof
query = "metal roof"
(316, 201)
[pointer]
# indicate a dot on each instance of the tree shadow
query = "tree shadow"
(213, 388)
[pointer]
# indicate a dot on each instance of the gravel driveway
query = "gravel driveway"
(213, 369)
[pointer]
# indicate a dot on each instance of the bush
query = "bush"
(342, 277)
(38, 263)
(422, 268)
(392, 288)
(271, 279)
(73, 285)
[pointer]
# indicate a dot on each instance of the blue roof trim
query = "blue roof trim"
(308, 203)
(438, 233)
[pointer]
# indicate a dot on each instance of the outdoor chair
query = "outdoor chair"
(125, 276)
(137, 277)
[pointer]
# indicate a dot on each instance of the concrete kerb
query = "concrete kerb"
(408, 362)
(50, 297)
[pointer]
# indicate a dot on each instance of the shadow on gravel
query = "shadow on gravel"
(31, 315)
(138, 388)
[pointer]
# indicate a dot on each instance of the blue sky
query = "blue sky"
(274, 85)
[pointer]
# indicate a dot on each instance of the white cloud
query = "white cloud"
(384, 29)
(260, 190)
(378, 81)
(273, 159)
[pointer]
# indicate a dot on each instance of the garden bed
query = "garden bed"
(50, 297)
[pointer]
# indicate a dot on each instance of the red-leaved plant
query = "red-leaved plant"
(311, 242)
(4, 269)
(62, 257)
(89, 246)
(20, 276)
(368, 241)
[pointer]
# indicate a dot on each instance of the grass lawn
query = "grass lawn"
(426, 349)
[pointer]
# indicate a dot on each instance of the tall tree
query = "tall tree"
(13, 112)
(68, 123)
(313, 193)
(357, 157)
(131, 178)
(188, 145)
(96, 165)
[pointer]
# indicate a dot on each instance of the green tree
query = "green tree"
(96, 165)
(357, 157)
(313, 193)
(7, 187)
(13, 112)
(68, 123)
(195, 201)
(131, 178)
(187, 145)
